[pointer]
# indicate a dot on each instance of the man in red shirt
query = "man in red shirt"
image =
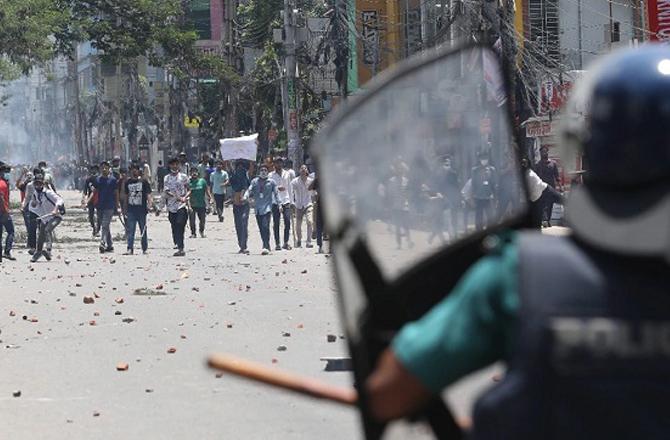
(5, 218)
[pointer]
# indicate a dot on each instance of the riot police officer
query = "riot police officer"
(583, 322)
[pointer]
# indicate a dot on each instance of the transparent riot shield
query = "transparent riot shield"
(413, 170)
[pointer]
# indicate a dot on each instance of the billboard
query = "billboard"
(659, 19)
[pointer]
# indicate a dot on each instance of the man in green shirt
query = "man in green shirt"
(471, 329)
(199, 189)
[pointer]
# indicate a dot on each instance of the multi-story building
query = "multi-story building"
(558, 42)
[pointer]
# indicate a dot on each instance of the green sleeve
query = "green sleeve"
(470, 329)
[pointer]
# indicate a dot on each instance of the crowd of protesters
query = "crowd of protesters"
(188, 192)
(41, 207)
(285, 203)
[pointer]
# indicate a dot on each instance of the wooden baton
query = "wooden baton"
(281, 379)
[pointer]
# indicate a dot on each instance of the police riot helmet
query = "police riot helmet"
(619, 118)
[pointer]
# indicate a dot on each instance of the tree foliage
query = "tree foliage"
(258, 18)
(26, 28)
(34, 31)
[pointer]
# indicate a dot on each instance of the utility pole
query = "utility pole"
(291, 110)
(231, 98)
(76, 106)
(341, 47)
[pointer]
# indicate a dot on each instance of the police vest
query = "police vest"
(592, 359)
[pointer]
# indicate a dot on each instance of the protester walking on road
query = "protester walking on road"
(106, 188)
(239, 182)
(6, 221)
(484, 188)
(197, 204)
(219, 181)
(203, 167)
(263, 191)
(138, 203)
(302, 200)
(25, 186)
(281, 207)
(397, 192)
(29, 217)
(539, 192)
(90, 200)
(176, 192)
(48, 176)
(547, 170)
(48, 207)
(318, 217)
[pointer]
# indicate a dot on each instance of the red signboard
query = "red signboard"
(659, 19)
(553, 96)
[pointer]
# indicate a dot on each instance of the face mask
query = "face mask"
(6, 176)
(263, 174)
(484, 162)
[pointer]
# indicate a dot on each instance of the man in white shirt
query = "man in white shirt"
(302, 200)
(282, 206)
(538, 192)
(48, 207)
(176, 192)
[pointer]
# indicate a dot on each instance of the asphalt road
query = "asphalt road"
(63, 356)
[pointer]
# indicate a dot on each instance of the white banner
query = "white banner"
(245, 147)
(493, 78)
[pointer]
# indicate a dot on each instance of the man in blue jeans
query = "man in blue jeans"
(219, 180)
(239, 181)
(282, 205)
(138, 202)
(263, 191)
(29, 217)
(106, 186)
